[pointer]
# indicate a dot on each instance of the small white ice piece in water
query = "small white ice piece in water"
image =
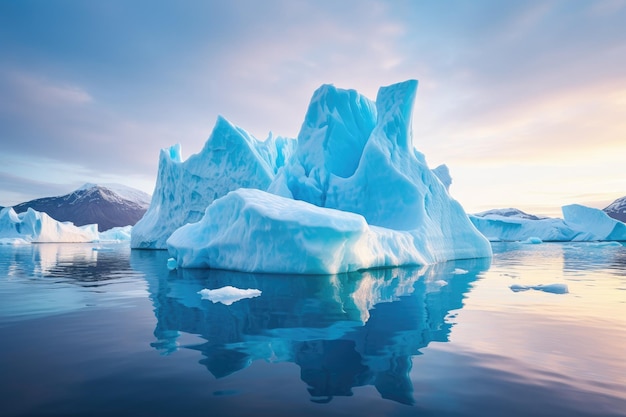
(459, 271)
(172, 264)
(532, 241)
(228, 295)
(551, 288)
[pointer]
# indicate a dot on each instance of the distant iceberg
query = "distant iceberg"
(37, 227)
(354, 194)
(34, 226)
(116, 234)
(579, 223)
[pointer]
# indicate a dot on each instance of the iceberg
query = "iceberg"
(579, 223)
(37, 227)
(230, 159)
(593, 223)
(354, 195)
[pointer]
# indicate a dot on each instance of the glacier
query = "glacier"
(354, 194)
(230, 159)
(579, 224)
(33, 226)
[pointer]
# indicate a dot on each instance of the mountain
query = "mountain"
(617, 209)
(508, 212)
(108, 205)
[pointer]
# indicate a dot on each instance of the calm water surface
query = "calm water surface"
(104, 330)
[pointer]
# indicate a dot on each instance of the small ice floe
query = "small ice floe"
(172, 264)
(102, 249)
(607, 244)
(440, 283)
(551, 288)
(532, 241)
(228, 295)
(459, 271)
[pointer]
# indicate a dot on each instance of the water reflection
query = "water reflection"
(343, 331)
(83, 264)
(576, 256)
(45, 279)
(609, 256)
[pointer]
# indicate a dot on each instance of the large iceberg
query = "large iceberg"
(231, 158)
(37, 227)
(354, 195)
(579, 223)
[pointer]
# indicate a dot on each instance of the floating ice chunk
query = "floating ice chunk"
(551, 288)
(459, 271)
(533, 240)
(228, 295)
(171, 264)
(102, 249)
(606, 244)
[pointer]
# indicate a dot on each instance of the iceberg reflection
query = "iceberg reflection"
(343, 331)
(54, 278)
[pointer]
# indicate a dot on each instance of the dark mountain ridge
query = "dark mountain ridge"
(617, 209)
(108, 206)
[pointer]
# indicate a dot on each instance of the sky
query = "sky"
(524, 101)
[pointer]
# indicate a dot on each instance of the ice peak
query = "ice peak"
(395, 110)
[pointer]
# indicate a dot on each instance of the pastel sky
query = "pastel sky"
(525, 101)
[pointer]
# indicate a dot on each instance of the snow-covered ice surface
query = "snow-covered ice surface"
(228, 294)
(579, 223)
(354, 195)
(37, 227)
(231, 158)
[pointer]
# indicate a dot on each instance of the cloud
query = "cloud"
(15, 187)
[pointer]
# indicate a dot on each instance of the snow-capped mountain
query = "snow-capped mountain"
(508, 212)
(617, 209)
(108, 205)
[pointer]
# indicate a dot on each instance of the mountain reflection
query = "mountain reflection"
(343, 331)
